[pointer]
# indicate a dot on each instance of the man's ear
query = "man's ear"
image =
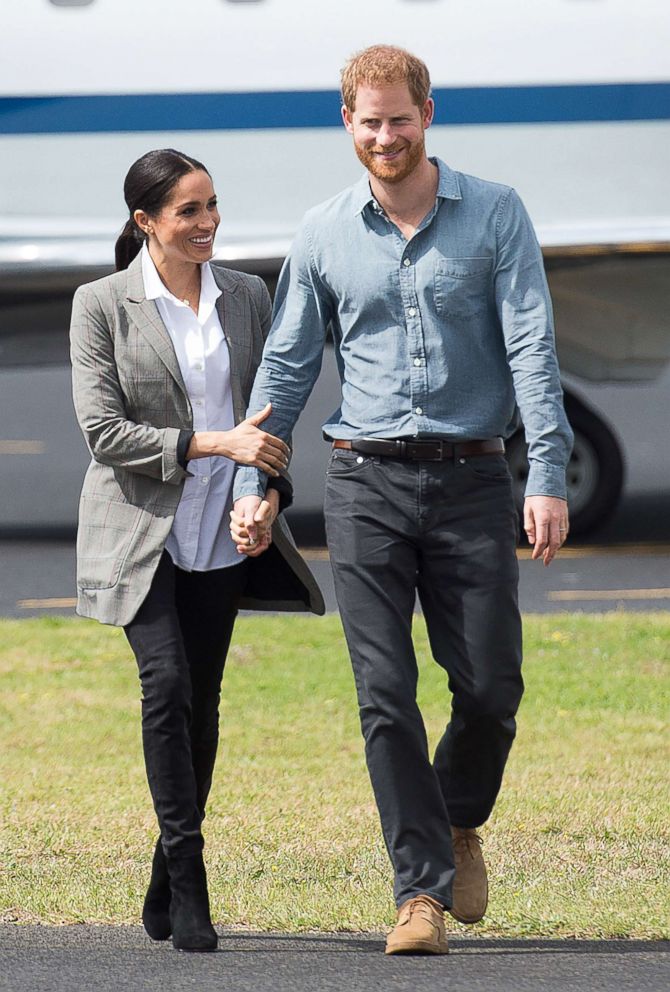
(428, 112)
(347, 120)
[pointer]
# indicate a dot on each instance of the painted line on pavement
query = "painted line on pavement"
(604, 551)
(588, 551)
(22, 447)
(47, 604)
(573, 595)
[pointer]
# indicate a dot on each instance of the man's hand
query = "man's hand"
(251, 521)
(545, 520)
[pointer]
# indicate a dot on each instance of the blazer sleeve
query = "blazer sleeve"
(111, 437)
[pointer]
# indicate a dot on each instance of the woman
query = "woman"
(163, 355)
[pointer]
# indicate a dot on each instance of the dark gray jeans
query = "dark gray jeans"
(449, 530)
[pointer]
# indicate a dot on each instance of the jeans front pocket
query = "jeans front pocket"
(345, 462)
(489, 468)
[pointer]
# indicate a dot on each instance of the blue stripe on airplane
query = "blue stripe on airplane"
(321, 108)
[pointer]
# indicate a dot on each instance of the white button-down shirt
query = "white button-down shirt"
(200, 537)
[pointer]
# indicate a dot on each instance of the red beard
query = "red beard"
(396, 171)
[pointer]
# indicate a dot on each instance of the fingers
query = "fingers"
(240, 536)
(270, 461)
(250, 526)
(267, 452)
(546, 526)
(263, 515)
(238, 531)
(242, 525)
(258, 418)
(263, 520)
(545, 540)
(529, 522)
(276, 447)
(253, 551)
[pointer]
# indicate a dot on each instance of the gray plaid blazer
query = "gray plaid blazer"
(131, 403)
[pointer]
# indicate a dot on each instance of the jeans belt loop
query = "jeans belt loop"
(402, 448)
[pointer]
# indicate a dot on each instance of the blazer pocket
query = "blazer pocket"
(105, 535)
(462, 286)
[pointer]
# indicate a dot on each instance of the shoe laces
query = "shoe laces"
(466, 839)
(423, 905)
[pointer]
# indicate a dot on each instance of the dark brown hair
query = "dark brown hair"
(147, 187)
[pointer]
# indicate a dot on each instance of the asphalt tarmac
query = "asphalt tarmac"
(123, 959)
(38, 578)
(623, 565)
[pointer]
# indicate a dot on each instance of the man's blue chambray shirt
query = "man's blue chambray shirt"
(449, 334)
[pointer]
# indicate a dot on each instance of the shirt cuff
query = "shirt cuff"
(546, 480)
(182, 447)
(249, 481)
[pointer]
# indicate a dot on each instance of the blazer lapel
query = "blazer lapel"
(146, 318)
(233, 313)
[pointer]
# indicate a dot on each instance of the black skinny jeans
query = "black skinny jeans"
(180, 638)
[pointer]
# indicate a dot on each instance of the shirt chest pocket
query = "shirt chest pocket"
(462, 286)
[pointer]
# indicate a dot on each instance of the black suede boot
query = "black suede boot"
(192, 928)
(156, 909)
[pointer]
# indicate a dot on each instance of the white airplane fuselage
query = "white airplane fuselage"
(567, 100)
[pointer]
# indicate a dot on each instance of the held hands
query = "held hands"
(545, 520)
(251, 521)
(245, 444)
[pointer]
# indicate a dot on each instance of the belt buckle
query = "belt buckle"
(438, 457)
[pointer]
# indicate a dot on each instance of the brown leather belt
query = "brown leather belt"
(424, 450)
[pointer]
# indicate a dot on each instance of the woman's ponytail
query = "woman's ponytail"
(128, 245)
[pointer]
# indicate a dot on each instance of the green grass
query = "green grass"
(578, 843)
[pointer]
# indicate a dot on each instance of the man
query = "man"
(433, 285)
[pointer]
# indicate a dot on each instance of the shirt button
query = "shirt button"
(198, 402)
(412, 311)
(419, 410)
(418, 361)
(406, 261)
(205, 480)
(198, 367)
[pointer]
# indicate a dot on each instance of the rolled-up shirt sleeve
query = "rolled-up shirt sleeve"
(525, 312)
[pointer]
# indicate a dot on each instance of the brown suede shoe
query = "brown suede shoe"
(471, 887)
(420, 928)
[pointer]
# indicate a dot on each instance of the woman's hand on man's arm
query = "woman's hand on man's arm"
(246, 444)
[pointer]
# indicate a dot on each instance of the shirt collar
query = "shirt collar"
(154, 287)
(448, 187)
